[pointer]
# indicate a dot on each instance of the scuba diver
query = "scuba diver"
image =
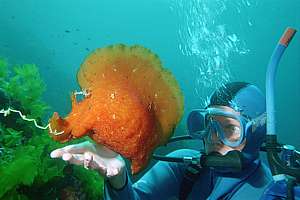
(232, 128)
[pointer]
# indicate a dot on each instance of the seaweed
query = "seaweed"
(26, 85)
(11, 137)
(24, 149)
(26, 169)
(91, 182)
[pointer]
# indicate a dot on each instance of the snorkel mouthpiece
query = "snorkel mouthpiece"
(232, 161)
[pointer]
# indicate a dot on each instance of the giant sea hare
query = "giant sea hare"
(133, 104)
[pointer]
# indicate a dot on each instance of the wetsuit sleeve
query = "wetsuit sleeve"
(162, 181)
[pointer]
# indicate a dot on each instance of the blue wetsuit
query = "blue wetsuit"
(278, 190)
(163, 181)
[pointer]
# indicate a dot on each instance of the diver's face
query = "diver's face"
(213, 143)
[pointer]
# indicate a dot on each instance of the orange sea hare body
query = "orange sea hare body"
(132, 107)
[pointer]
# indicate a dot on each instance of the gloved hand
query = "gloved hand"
(94, 156)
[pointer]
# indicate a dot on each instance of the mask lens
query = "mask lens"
(228, 129)
(232, 133)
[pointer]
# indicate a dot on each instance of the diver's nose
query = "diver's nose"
(215, 139)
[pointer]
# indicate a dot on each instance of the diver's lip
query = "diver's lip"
(215, 144)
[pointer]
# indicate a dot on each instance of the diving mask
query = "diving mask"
(229, 127)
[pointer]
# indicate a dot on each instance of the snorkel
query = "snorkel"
(281, 169)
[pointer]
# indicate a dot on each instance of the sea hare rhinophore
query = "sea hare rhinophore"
(133, 104)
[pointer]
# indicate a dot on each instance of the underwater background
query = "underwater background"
(204, 43)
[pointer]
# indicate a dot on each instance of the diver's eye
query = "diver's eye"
(232, 129)
(235, 128)
(232, 132)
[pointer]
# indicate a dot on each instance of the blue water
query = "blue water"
(203, 42)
